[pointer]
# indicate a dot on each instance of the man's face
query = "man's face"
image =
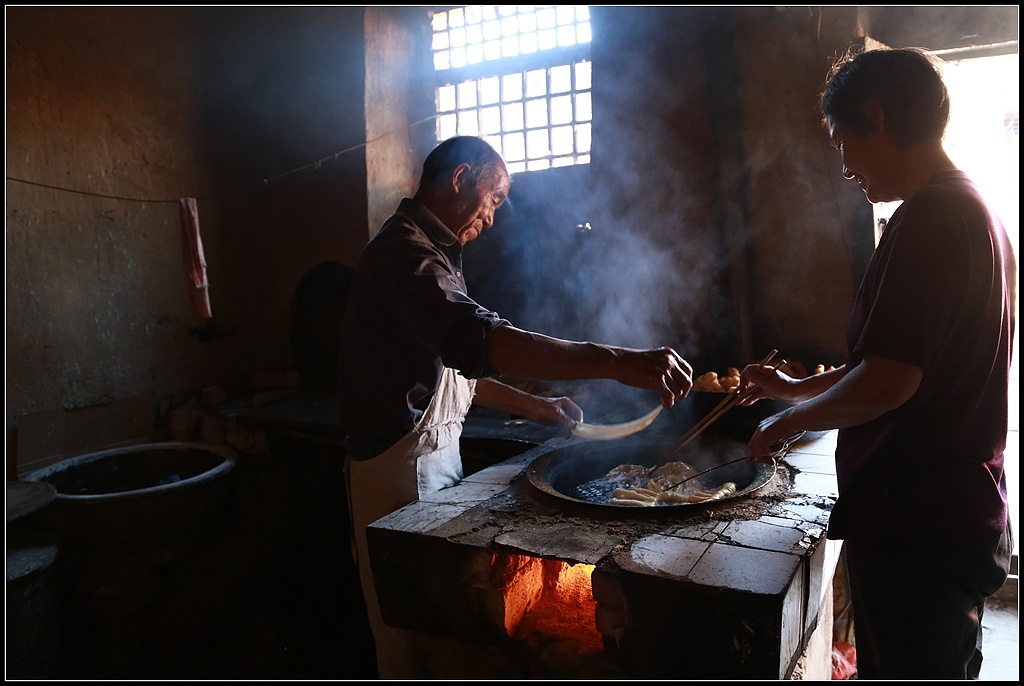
(477, 204)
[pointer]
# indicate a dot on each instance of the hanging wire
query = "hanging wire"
(264, 182)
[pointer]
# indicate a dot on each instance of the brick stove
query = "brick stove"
(500, 580)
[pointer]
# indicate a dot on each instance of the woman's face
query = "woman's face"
(864, 161)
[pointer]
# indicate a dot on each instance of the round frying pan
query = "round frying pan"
(575, 472)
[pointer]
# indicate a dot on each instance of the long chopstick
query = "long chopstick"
(721, 408)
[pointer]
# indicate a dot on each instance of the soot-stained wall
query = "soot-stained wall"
(719, 220)
(113, 114)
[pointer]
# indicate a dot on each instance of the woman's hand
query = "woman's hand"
(758, 382)
(771, 437)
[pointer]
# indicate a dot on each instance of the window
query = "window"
(520, 77)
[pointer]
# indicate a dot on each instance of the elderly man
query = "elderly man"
(417, 351)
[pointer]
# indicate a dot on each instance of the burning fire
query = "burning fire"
(573, 586)
(564, 614)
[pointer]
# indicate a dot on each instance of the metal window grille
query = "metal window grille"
(520, 77)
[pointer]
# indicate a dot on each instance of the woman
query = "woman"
(921, 403)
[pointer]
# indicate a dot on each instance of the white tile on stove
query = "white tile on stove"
(766, 536)
(809, 510)
(816, 484)
(703, 531)
(420, 516)
(764, 572)
(503, 473)
(815, 464)
(820, 444)
(662, 556)
(464, 492)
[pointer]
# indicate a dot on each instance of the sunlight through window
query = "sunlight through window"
(518, 75)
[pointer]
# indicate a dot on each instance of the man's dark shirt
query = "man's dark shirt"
(408, 315)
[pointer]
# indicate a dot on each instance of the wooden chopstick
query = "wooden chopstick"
(721, 408)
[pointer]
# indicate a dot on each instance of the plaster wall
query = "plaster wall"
(113, 114)
(103, 137)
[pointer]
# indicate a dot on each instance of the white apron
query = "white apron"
(423, 461)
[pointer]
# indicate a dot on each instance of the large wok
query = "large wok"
(562, 471)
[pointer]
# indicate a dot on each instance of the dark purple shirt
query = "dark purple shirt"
(938, 294)
(408, 315)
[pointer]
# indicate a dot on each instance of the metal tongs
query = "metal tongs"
(783, 446)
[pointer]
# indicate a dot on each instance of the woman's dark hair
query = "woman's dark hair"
(906, 81)
(483, 160)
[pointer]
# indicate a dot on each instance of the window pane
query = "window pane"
(566, 35)
(446, 98)
(468, 123)
(474, 34)
(583, 75)
(536, 83)
(439, 22)
(474, 13)
(494, 141)
(489, 91)
(492, 50)
(583, 33)
(547, 39)
(513, 116)
(513, 85)
(492, 29)
(490, 120)
(510, 46)
(446, 126)
(565, 14)
(475, 54)
(546, 18)
(562, 140)
(457, 37)
(561, 79)
(440, 41)
(528, 43)
(583, 107)
(467, 94)
(537, 144)
(456, 17)
(442, 61)
(458, 57)
(534, 165)
(527, 22)
(561, 109)
(510, 26)
(514, 147)
(536, 113)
